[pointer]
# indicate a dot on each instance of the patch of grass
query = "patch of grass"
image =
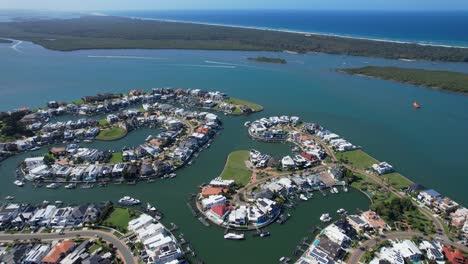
(103, 122)
(357, 158)
(95, 247)
(78, 102)
(396, 180)
(116, 158)
(113, 133)
(235, 168)
(419, 222)
(239, 102)
(119, 218)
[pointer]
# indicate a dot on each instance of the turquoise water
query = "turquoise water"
(429, 146)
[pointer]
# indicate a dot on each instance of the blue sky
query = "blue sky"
(79, 5)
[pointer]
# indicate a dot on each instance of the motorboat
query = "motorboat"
(53, 185)
(303, 197)
(35, 148)
(341, 211)
(58, 202)
(149, 207)
(70, 186)
(416, 105)
(172, 175)
(325, 218)
(9, 198)
(265, 234)
(247, 124)
(127, 200)
(335, 190)
(19, 183)
(234, 236)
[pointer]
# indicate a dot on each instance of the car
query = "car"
(62, 232)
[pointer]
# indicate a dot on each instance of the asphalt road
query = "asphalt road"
(124, 252)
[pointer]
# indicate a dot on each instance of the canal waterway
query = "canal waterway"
(428, 146)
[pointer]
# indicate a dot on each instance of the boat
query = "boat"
(303, 197)
(345, 189)
(35, 148)
(45, 202)
(247, 124)
(325, 218)
(53, 185)
(58, 202)
(149, 207)
(9, 198)
(341, 211)
(88, 141)
(127, 200)
(331, 190)
(102, 184)
(416, 105)
(265, 234)
(19, 183)
(335, 190)
(234, 236)
(70, 186)
(172, 175)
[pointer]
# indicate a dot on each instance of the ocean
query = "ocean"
(438, 28)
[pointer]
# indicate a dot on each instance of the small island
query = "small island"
(268, 60)
(441, 80)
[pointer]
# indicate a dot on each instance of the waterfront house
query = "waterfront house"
(382, 168)
(142, 221)
(333, 250)
(267, 206)
(275, 188)
(445, 204)
(43, 216)
(213, 200)
(61, 217)
(218, 182)
(315, 256)
(264, 193)
(388, 255)
(287, 184)
(208, 191)
(287, 163)
(220, 210)
(256, 216)
(357, 222)
(146, 169)
(7, 214)
(238, 216)
(459, 217)
(335, 234)
(77, 173)
(161, 167)
(429, 196)
(118, 169)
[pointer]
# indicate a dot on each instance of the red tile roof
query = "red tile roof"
(55, 254)
(208, 191)
(220, 209)
(308, 156)
(455, 257)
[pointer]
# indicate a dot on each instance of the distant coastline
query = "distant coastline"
(290, 31)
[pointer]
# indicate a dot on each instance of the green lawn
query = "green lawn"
(253, 106)
(112, 134)
(103, 122)
(235, 168)
(358, 158)
(78, 102)
(116, 158)
(362, 160)
(419, 222)
(119, 218)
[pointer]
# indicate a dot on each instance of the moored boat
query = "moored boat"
(335, 190)
(303, 197)
(265, 234)
(341, 211)
(53, 185)
(325, 218)
(19, 183)
(9, 197)
(70, 186)
(127, 200)
(416, 105)
(234, 236)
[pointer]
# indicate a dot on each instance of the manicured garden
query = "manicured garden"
(113, 133)
(236, 169)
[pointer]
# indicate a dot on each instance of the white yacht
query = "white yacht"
(9, 198)
(341, 211)
(70, 186)
(127, 200)
(234, 236)
(303, 197)
(52, 185)
(335, 190)
(325, 218)
(149, 207)
(19, 183)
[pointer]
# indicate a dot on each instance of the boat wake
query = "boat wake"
(229, 64)
(126, 57)
(15, 46)
(205, 66)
